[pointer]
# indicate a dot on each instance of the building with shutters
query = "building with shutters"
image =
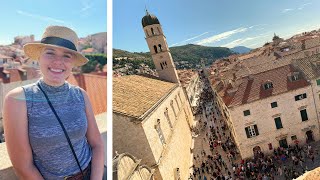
(271, 109)
(190, 81)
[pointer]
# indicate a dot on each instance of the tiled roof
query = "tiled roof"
(135, 94)
(5, 57)
(18, 74)
(250, 55)
(185, 76)
(88, 50)
(251, 87)
(265, 63)
(309, 66)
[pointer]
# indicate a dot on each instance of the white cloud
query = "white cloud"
(258, 25)
(44, 18)
(86, 7)
(197, 36)
(293, 9)
(260, 29)
(304, 5)
(221, 36)
(238, 42)
(287, 10)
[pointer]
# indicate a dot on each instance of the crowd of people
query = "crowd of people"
(219, 157)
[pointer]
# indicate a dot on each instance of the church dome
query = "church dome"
(149, 19)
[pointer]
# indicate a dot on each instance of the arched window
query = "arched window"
(147, 33)
(152, 31)
(155, 48)
(160, 47)
(161, 65)
(174, 111)
(180, 97)
(175, 98)
(166, 114)
(159, 131)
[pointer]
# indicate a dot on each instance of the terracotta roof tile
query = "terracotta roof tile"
(309, 66)
(251, 88)
(135, 94)
(18, 74)
(185, 76)
(5, 57)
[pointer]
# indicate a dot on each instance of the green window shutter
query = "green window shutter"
(247, 132)
(278, 123)
(304, 115)
(274, 104)
(256, 129)
(318, 82)
(246, 112)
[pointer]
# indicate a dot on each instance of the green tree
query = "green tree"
(94, 59)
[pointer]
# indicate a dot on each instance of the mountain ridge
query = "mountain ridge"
(186, 56)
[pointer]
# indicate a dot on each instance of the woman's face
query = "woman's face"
(55, 65)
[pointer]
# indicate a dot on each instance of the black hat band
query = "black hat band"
(59, 42)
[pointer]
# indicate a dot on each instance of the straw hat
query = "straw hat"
(59, 37)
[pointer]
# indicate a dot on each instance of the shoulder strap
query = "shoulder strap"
(62, 126)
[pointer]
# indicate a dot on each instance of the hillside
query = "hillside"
(187, 56)
(194, 53)
(121, 53)
(240, 49)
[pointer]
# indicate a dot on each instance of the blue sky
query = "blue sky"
(225, 23)
(26, 17)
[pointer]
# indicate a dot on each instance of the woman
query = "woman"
(36, 143)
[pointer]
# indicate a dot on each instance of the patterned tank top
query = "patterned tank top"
(51, 152)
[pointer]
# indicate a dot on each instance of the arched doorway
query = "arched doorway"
(256, 151)
(309, 136)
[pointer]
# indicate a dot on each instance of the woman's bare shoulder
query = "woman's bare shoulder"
(15, 96)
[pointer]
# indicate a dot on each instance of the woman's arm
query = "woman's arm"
(95, 140)
(16, 135)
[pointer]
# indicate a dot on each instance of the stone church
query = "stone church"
(152, 116)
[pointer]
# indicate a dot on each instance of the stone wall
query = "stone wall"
(129, 137)
(263, 116)
(142, 140)
(175, 153)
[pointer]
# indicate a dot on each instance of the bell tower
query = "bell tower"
(159, 49)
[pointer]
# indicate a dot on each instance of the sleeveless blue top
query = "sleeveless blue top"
(51, 152)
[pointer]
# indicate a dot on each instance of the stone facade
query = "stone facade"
(190, 81)
(193, 90)
(126, 166)
(166, 148)
(160, 53)
(262, 115)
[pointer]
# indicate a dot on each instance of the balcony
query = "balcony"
(6, 170)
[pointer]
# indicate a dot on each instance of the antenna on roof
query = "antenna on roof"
(146, 10)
